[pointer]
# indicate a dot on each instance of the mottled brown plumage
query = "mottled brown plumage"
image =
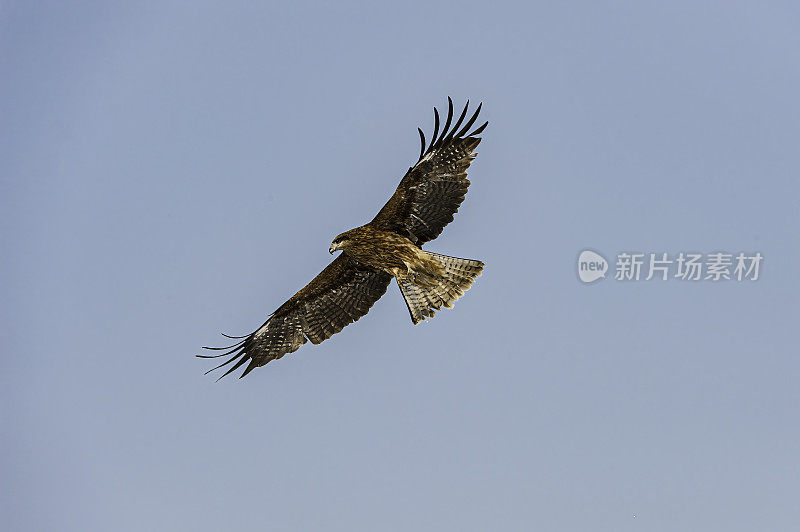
(388, 246)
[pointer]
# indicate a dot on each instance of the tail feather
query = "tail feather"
(424, 300)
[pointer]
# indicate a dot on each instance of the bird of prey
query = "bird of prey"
(389, 246)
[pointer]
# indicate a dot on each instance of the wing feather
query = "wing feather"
(341, 294)
(432, 190)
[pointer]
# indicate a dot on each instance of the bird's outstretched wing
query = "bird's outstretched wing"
(342, 293)
(433, 189)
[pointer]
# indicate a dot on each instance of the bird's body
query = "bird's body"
(389, 246)
(427, 280)
(387, 251)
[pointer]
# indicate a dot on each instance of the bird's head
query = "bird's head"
(340, 242)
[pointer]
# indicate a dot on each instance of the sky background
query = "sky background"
(170, 171)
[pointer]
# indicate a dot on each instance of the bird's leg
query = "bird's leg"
(400, 274)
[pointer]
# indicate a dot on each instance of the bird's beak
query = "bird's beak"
(331, 250)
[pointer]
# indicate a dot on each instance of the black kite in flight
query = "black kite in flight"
(390, 246)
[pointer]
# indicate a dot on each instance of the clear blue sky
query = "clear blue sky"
(169, 171)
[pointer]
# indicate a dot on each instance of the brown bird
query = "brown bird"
(390, 246)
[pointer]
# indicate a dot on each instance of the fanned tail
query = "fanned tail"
(424, 300)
